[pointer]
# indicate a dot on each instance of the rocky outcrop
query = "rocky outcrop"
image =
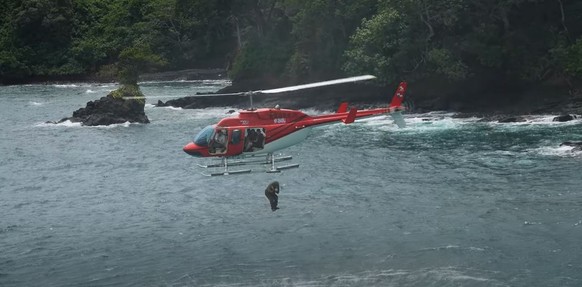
(512, 120)
(112, 109)
(564, 118)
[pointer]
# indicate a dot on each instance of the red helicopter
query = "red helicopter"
(261, 132)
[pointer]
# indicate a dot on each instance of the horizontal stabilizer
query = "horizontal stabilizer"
(351, 116)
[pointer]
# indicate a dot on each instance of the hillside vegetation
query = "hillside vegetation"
(443, 43)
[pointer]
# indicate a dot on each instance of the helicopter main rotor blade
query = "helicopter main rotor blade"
(318, 84)
(273, 91)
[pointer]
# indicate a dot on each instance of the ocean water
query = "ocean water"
(443, 202)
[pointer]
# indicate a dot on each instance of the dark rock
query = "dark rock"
(512, 119)
(577, 145)
(204, 102)
(564, 118)
(111, 109)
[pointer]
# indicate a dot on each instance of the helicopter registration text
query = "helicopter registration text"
(280, 120)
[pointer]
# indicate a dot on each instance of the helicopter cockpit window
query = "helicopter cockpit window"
(203, 137)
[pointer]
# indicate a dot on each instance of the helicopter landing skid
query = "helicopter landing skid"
(269, 162)
(273, 169)
(280, 168)
(233, 172)
(245, 162)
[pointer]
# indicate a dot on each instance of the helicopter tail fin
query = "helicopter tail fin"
(396, 107)
(398, 97)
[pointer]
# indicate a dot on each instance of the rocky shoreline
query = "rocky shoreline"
(490, 106)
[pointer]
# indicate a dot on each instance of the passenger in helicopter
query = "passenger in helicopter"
(249, 140)
(271, 193)
(260, 139)
(219, 143)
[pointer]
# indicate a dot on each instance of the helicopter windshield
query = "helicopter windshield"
(203, 137)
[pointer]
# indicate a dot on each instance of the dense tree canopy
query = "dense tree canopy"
(454, 41)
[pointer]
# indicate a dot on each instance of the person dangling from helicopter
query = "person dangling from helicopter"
(271, 193)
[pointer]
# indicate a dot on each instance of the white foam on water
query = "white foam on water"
(451, 247)
(33, 103)
(415, 123)
(536, 121)
(391, 277)
(169, 107)
(65, 85)
(125, 125)
(66, 123)
(560, 151)
(69, 124)
(430, 122)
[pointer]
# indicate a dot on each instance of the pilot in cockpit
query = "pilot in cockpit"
(220, 139)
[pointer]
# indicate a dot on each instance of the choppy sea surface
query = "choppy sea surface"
(443, 202)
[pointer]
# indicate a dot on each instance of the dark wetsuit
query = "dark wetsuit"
(271, 193)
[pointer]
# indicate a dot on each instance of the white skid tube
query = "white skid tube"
(269, 161)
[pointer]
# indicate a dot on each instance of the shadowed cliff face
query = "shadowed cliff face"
(490, 101)
(322, 98)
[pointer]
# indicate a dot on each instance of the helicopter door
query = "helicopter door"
(254, 139)
(218, 142)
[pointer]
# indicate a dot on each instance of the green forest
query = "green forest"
(458, 42)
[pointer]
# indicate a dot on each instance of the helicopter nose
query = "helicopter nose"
(192, 149)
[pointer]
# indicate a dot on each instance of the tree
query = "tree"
(135, 60)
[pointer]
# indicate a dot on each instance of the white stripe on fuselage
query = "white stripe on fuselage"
(295, 138)
(284, 142)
